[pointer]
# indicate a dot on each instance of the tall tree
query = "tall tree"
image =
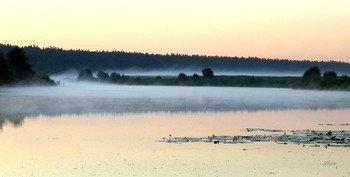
(6, 72)
(19, 61)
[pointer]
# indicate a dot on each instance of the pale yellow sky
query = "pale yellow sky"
(295, 29)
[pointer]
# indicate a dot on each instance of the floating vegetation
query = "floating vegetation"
(346, 124)
(308, 137)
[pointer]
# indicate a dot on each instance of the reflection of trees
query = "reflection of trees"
(16, 120)
(14, 109)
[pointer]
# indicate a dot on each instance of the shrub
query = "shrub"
(85, 74)
(208, 72)
(158, 78)
(313, 72)
(114, 77)
(182, 77)
(330, 74)
(195, 77)
(102, 76)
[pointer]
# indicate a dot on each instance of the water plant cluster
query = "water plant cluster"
(301, 137)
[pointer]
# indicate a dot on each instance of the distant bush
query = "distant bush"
(195, 77)
(313, 72)
(114, 77)
(138, 80)
(252, 80)
(85, 74)
(158, 78)
(102, 76)
(208, 72)
(330, 74)
(123, 78)
(182, 77)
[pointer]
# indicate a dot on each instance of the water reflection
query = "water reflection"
(85, 98)
(93, 133)
(15, 108)
(125, 145)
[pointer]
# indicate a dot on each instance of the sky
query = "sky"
(291, 29)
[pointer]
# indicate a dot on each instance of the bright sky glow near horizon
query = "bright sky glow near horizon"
(293, 29)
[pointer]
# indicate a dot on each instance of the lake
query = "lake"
(84, 129)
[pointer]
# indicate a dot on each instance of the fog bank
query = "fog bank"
(73, 97)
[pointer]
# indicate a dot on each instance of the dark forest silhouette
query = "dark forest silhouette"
(54, 60)
(15, 69)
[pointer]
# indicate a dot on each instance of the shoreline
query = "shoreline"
(290, 82)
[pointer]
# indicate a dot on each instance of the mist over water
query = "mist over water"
(73, 97)
(84, 128)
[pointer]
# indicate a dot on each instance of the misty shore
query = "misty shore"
(338, 83)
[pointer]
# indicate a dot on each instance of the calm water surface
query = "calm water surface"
(89, 130)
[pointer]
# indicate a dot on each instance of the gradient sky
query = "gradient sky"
(295, 29)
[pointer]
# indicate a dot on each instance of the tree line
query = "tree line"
(54, 60)
(311, 79)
